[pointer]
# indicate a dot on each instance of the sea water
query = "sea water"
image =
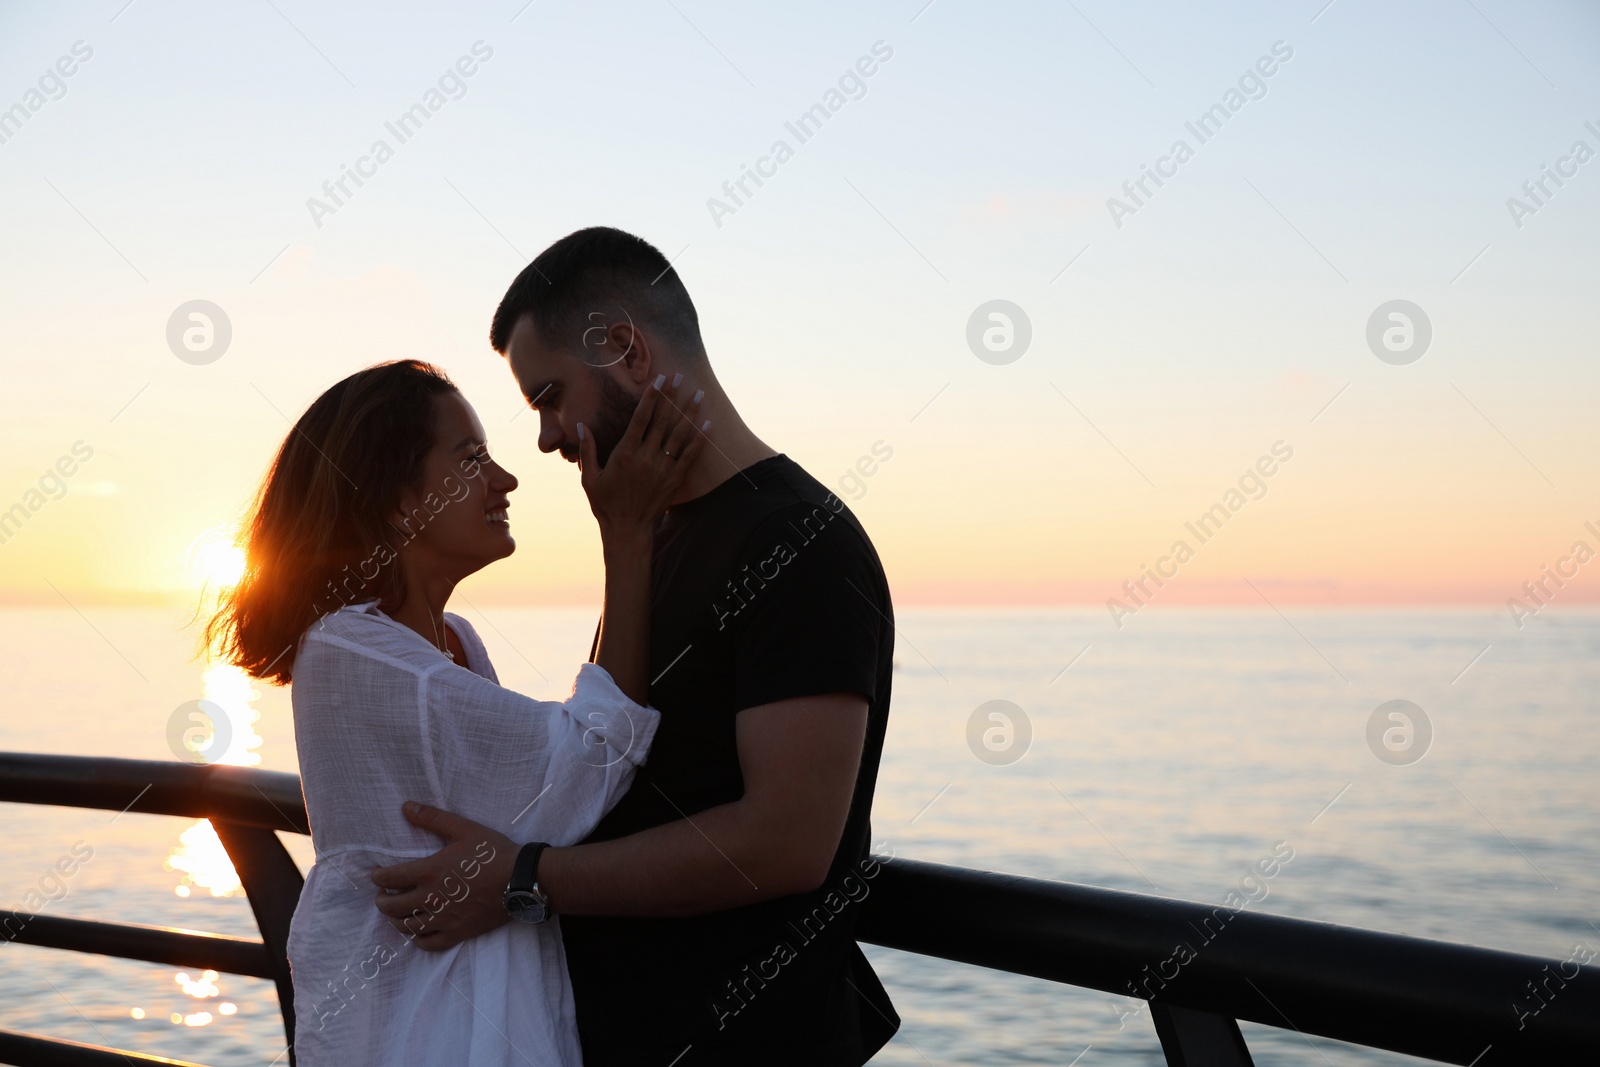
(1170, 756)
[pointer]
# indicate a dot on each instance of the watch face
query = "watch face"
(525, 906)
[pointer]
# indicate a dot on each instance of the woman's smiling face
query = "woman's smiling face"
(455, 519)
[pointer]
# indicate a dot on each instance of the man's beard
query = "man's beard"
(612, 416)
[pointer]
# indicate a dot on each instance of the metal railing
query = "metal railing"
(1441, 1001)
(245, 807)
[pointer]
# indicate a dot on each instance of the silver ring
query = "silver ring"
(669, 454)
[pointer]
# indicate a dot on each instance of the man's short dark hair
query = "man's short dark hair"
(598, 269)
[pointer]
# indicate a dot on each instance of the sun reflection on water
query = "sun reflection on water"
(199, 854)
(215, 562)
(235, 691)
(199, 988)
(204, 862)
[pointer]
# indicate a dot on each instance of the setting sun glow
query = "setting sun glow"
(215, 561)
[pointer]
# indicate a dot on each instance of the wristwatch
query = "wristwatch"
(524, 900)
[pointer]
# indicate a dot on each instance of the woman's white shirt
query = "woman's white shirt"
(382, 716)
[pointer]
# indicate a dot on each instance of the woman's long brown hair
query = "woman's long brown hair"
(322, 532)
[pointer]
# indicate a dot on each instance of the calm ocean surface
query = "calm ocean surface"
(1171, 754)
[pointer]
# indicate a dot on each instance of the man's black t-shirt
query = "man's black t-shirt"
(765, 589)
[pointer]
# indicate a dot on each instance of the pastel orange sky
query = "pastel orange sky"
(1175, 340)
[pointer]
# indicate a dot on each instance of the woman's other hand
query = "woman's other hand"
(646, 467)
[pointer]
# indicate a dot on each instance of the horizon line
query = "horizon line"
(1265, 594)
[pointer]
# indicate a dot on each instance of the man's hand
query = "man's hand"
(442, 900)
(799, 757)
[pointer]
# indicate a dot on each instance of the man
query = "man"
(709, 919)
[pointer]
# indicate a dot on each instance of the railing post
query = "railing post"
(1193, 1038)
(272, 882)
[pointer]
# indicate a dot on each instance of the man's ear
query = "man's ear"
(630, 347)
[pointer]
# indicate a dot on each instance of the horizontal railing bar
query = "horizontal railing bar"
(1427, 998)
(1448, 1002)
(29, 1050)
(151, 944)
(246, 795)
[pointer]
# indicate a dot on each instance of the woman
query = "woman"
(381, 499)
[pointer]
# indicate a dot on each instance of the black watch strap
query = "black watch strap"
(525, 873)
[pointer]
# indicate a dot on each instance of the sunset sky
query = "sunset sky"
(1177, 335)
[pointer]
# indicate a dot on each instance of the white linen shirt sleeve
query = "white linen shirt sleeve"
(381, 718)
(548, 771)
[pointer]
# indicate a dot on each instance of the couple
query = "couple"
(665, 869)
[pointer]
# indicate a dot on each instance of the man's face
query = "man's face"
(565, 391)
